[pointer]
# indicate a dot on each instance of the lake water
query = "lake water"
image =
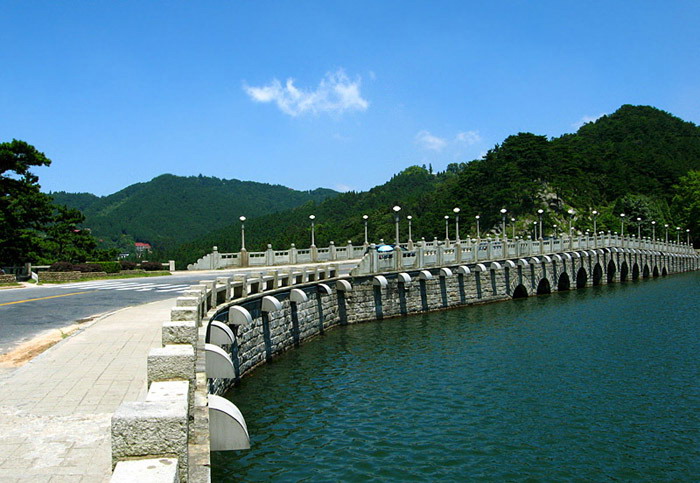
(598, 384)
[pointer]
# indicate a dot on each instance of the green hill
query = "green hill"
(170, 210)
(628, 161)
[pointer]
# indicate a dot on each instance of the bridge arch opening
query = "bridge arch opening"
(645, 271)
(581, 278)
(664, 272)
(597, 275)
(520, 292)
(564, 282)
(544, 288)
(635, 272)
(656, 271)
(611, 271)
(624, 272)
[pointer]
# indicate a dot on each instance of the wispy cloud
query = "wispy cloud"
(335, 93)
(428, 141)
(586, 120)
(343, 188)
(468, 137)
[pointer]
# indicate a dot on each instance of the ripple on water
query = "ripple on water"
(600, 384)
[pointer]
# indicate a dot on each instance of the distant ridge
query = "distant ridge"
(169, 209)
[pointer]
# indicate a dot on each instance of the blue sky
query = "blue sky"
(334, 94)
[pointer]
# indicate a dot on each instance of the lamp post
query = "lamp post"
(242, 218)
(365, 218)
(512, 221)
(534, 227)
(678, 235)
(456, 211)
(666, 227)
(478, 233)
(595, 221)
(556, 234)
(539, 212)
(313, 234)
(687, 235)
(653, 231)
(396, 212)
(639, 228)
(622, 225)
(447, 229)
(409, 218)
(503, 222)
(571, 220)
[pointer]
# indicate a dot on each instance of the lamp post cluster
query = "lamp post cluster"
(538, 227)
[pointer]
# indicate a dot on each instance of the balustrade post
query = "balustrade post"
(269, 255)
(489, 249)
(350, 250)
(293, 255)
(441, 255)
(420, 253)
(332, 252)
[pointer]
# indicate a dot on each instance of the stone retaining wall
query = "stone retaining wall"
(8, 278)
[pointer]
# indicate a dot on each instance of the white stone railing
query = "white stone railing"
(293, 256)
(424, 254)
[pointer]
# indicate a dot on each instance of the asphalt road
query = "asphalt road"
(27, 312)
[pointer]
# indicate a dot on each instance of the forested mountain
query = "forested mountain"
(628, 161)
(169, 210)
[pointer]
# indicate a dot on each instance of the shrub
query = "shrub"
(61, 267)
(127, 265)
(152, 266)
(87, 267)
(108, 267)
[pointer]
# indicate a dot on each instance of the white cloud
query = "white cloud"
(468, 137)
(428, 141)
(586, 120)
(343, 188)
(336, 93)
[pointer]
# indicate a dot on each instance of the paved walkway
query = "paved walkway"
(55, 411)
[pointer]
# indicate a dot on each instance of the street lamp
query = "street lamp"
(512, 221)
(313, 236)
(666, 226)
(478, 233)
(687, 234)
(447, 230)
(595, 222)
(365, 218)
(503, 220)
(622, 225)
(534, 226)
(456, 211)
(653, 231)
(242, 218)
(409, 217)
(396, 212)
(539, 212)
(678, 235)
(639, 228)
(556, 234)
(571, 219)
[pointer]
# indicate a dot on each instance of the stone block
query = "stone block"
(151, 429)
(151, 470)
(184, 313)
(171, 362)
(180, 332)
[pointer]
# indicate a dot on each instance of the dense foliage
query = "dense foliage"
(169, 210)
(635, 161)
(32, 229)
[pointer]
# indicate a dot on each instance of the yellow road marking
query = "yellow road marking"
(45, 298)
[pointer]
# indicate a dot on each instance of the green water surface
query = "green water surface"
(599, 384)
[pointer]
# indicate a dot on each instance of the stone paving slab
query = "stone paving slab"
(55, 411)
